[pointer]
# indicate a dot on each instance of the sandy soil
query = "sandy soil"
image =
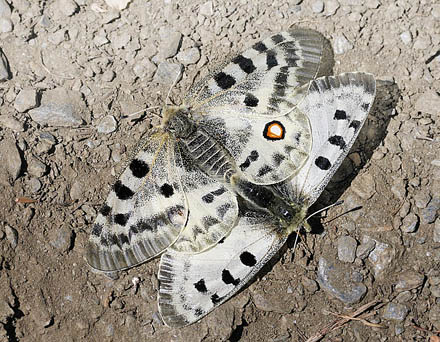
(95, 65)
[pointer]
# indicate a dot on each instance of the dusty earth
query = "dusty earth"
(72, 69)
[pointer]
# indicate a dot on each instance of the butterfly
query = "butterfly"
(193, 285)
(237, 133)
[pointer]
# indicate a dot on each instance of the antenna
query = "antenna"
(172, 86)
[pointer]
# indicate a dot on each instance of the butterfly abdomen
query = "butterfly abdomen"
(209, 155)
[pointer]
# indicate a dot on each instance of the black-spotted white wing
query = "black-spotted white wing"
(244, 104)
(147, 209)
(263, 80)
(193, 285)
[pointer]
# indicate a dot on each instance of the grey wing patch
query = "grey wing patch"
(144, 212)
(213, 211)
(263, 80)
(193, 285)
(337, 107)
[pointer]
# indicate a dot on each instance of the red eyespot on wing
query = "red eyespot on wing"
(274, 130)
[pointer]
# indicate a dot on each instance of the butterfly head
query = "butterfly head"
(176, 120)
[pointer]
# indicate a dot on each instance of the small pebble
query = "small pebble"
(67, 7)
(428, 102)
(346, 248)
(107, 125)
(5, 9)
(36, 167)
(5, 25)
(34, 185)
(406, 37)
(436, 232)
(410, 223)
(432, 211)
(395, 311)
(331, 6)
(62, 239)
(10, 161)
(341, 44)
(167, 73)
(381, 257)
(108, 76)
(365, 248)
(317, 6)
(339, 283)
(206, 9)
(409, 280)
(12, 236)
(4, 67)
(170, 44)
(12, 123)
(25, 100)
(189, 56)
(59, 107)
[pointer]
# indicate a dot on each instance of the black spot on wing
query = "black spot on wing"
(167, 190)
(215, 298)
(97, 229)
(278, 158)
(140, 226)
(199, 312)
(264, 170)
(248, 259)
(223, 209)
(121, 219)
(245, 64)
(219, 191)
(122, 192)
(245, 164)
(201, 286)
(209, 221)
(105, 210)
(271, 60)
(123, 239)
(208, 198)
(365, 106)
(260, 47)
(340, 115)
(224, 81)
(337, 140)
(323, 163)
(229, 279)
(250, 100)
(278, 38)
(355, 124)
(139, 168)
(254, 155)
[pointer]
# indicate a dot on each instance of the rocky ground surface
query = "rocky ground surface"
(70, 70)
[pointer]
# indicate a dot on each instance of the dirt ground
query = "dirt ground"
(92, 66)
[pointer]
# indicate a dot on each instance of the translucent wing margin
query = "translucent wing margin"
(263, 80)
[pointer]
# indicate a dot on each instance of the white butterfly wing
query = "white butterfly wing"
(337, 107)
(193, 285)
(262, 80)
(144, 212)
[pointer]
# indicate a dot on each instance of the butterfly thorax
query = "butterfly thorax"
(176, 120)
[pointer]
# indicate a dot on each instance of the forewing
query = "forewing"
(144, 212)
(264, 79)
(336, 107)
(213, 211)
(193, 285)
